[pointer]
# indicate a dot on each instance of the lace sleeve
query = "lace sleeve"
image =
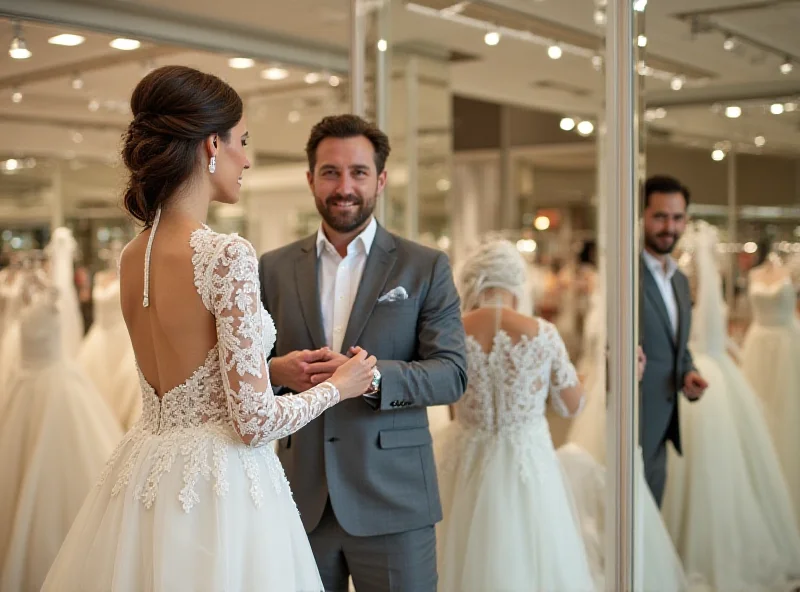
(232, 290)
(562, 374)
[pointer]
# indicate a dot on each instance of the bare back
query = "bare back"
(174, 335)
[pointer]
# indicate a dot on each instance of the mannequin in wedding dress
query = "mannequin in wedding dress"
(508, 520)
(770, 355)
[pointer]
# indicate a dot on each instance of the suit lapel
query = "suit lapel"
(653, 294)
(379, 265)
(308, 291)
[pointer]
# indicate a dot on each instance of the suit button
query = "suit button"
(334, 439)
(393, 404)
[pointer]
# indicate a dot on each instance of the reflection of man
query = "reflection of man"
(666, 319)
(362, 473)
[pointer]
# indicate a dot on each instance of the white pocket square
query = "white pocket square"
(398, 293)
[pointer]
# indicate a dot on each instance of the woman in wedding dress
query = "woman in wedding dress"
(194, 497)
(771, 363)
(55, 437)
(508, 521)
(726, 504)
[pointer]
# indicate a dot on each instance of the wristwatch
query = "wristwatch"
(375, 385)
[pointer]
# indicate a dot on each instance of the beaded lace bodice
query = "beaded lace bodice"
(509, 386)
(228, 400)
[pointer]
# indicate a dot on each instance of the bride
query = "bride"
(194, 497)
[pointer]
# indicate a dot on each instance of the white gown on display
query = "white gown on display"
(9, 340)
(726, 504)
(62, 250)
(184, 504)
(107, 347)
(56, 435)
(771, 363)
(508, 519)
(657, 567)
(126, 402)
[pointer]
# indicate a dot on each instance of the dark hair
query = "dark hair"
(588, 253)
(347, 126)
(664, 184)
(175, 109)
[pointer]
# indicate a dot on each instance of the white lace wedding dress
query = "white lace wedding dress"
(771, 363)
(183, 504)
(56, 434)
(508, 521)
(726, 503)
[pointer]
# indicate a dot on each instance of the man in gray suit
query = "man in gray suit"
(363, 473)
(666, 322)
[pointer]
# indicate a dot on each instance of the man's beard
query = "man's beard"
(652, 243)
(346, 221)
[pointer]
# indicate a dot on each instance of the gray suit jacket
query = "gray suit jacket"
(374, 461)
(668, 361)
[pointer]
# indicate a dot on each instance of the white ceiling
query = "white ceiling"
(45, 122)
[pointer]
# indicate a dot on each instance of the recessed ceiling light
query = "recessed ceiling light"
(125, 44)
(776, 108)
(717, 155)
(19, 49)
(275, 73)
(241, 63)
(585, 128)
(334, 81)
(760, 141)
(554, 51)
(733, 111)
(66, 39)
(312, 78)
(491, 38)
(567, 124)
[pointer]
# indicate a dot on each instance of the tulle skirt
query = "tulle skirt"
(726, 504)
(771, 363)
(190, 509)
(56, 434)
(657, 567)
(102, 352)
(508, 521)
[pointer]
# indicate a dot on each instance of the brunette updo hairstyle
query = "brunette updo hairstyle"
(175, 109)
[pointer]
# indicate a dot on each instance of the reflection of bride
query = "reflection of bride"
(508, 521)
(726, 503)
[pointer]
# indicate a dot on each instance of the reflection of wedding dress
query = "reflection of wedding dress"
(508, 522)
(106, 345)
(55, 437)
(771, 363)
(657, 567)
(726, 504)
(184, 504)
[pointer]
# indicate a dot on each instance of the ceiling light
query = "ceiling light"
(312, 78)
(334, 81)
(541, 223)
(77, 83)
(585, 128)
(491, 38)
(275, 73)
(77, 137)
(759, 141)
(67, 40)
(790, 107)
(125, 44)
(676, 83)
(294, 116)
(776, 108)
(717, 155)
(443, 184)
(600, 17)
(729, 44)
(241, 63)
(786, 67)
(554, 52)
(94, 105)
(639, 5)
(641, 41)
(597, 61)
(643, 69)
(16, 96)
(19, 49)
(733, 111)
(382, 45)
(567, 124)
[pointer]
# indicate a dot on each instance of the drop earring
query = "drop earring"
(212, 165)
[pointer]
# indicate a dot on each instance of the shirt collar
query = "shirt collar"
(363, 240)
(657, 267)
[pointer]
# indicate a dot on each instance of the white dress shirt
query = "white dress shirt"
(663, 277)
(339, 278)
